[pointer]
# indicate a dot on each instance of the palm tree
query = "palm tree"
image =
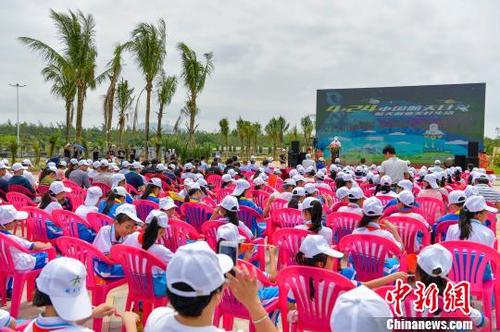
(257, 128)
(124, 100)
(224, 131)
(294, 132)
(307, 129)
(148, 45)
(64, 86)
(194, 73)
(273, 132)
(115, 69)
(283, 127)
(239, 131)
(77, 33)
(166, 90)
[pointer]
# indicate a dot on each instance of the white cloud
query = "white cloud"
(397, 133)
(375, 138)
(457, 142)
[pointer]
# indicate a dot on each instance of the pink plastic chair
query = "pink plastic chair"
(250, 218)
(469, 263)
(432, 208)
(407, 229)
(326, 192)
(286, 218)
(143, 207)
(70, 184)
(209, 201)
(315, 291)
(260, 197)
(178, 233)
(279, 184)
(214, 180)
(21, 278)
(442, 229)
(36, 224)
(221, 193)
(139, 267)
(288, 241)
(104, 187)
(231, 308)
(385, 199)
(76, 198)
(21, 189)
(42, 189)
(131, 190)
(278, 203)
(342, 224)
(196, 214)
(87, 254)
(69, 222)
(209, 230)
(368, 253)
(97, 220)
(19, 200)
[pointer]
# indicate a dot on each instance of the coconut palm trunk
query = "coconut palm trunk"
(68, 107)
(79, 113)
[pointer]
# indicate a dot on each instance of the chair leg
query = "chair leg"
(98, 297)
(30, 289)
(17, 293)
(227, 322)
(487, 309)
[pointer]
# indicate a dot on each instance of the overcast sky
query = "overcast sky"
(270, 56)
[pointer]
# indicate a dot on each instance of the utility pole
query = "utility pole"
(17, 86)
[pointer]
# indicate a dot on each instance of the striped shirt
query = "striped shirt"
(490, 195)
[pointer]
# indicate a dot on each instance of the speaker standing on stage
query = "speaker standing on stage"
(335, 147)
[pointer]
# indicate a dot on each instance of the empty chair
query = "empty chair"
(178, 233)
(432, 208)
(196, 214)
(143, 207)
(288, 241)
(413, 232)
(96, 220)
(19, 200)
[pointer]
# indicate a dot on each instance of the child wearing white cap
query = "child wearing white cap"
(153, 190)
(430, 187)
(116, 197)
(61, 290)
(385, 187)
(196, 276)
(227, 211)
(55, 198)
(240, 191)
(342, 195)
(168, 206)
(356, 199)
(312, 212)
(93, 196)
(406, 207)
(298, 195)
(194, 193)
(125, 222)
(456, 200)
(47, 176)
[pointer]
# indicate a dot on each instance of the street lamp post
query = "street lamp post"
(17, 86)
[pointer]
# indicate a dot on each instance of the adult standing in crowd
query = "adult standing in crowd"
(396, 168)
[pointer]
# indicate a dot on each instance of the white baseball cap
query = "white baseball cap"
(298, 178)
(229, 232)
(385, 180)
(161, 167)
(310, 188)
(289, 182)
(406, 197)
(347, 177)
(167, 203)
(52, 169)
(129, 210)
(117, 178)
(372, 206)
(357, 311)
(63, 281)
(125, 164)
(456, 197)
(232, 172)
(18, 166)
(3, 165)
(356, 193)
(292, 173)
(202, 182)
(194, 185)
(435, 260)
(8, 214)
(198, 266)
(27, 162)
(431, 180)
(313, 245)
(230, 203)
(83, 162)
(227, 178)
(136, 165)
(437, 162)
(478, 204)
(309, 169)
(73, 161)
(188, 166)
(120, 191)
(342, 193)
(299, 191)
(62, 163)
(406, 185)
(241, 186)
(93, 196)
(58, 187)
(155, 182)
(104, 163)
(307, 203)
(479, 176)
(258, 181)
(96, 164)
(471, 191)
(161, 218)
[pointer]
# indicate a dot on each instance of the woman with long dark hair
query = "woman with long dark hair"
(115, 198)
(153, 190)
(312, 212)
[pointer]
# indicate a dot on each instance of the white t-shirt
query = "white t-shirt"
(325, 232)
(351, 208)
(56, 324)
(83, 210)
(54, 205)
(31, 179)
(22, 261)
(163, 319)
(395, 168)
(379, 232)
(480, 233)
(159, 251)
(5, 318)
(105, 239)
(242, 227)
(390, 193)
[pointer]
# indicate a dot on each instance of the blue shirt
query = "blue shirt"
(134, 179)
(21, 181)
(153, 199)
(112, 211)
(250, 204)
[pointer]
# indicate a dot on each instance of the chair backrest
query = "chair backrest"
(214, 180)
(286, 217)
(432, 208)
(223, 192)
(36, 223)
(139, 267)
(327, 192)
(209, 230)
(368, 253)
(249, 217)
(70, 184)
(278, 203)
(77, 197)
(69, 222)
(315, 291)
(7, 264)
(209, 201)
(19, 200)
(442, 229)
(408, 228)
(342, 224)
(104, 187)
(144, 206)
(470, 260)
(196, 214)
(42, 189)
(279, 183)
(178, 233)
(20, 189)
(260, 197)
(96, 220)
(385, 199)
(268, 189)
(131, 189)
(288, 240)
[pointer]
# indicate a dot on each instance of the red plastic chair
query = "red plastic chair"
(21, 189)
(442, 229)
(286, 218)
(408, 228)
(288, 240)
(20, 278)
(342, 224)
(260, 197)
(250, 218)
(97, 220)
(87, 254)
(104, 187)
(432, 208)
(469, 263)
(209, 230)
(42, 189)
(19, 200)
(69, 222)
(315, 291)
(278, 203)
(178, 233)
(385, 199)
(77, 198)
(279, 184)
(231, 308)
(368, 253)
(70, 184)
(36, 224)
(139, 267)
(131, 190)
(214, 180)
(144, 206)
(221, 193)
(209, 201)
(196, 214)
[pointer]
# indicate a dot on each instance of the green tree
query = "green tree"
(224, 131)
(148, 45)
(256, 132)
(272, 130)
(194, 74)
(113, 74)
(77, 33)
(283, 126)
(124, 100)
(13, 148)
(166, 90)
(53, 143)
(307, 129)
